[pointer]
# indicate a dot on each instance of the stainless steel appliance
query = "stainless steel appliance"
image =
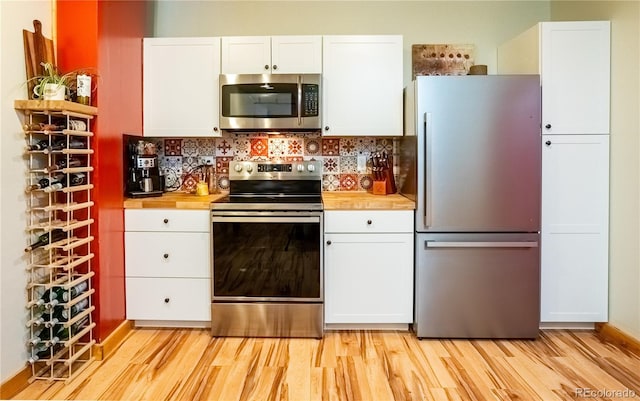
(270, 101)
(267, 252)
(473, 168)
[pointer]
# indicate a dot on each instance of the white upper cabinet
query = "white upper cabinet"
(573, 60)
(362, 85)
(272, 54)
(180, 86)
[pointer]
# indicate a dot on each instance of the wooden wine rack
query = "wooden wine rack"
(66, 262)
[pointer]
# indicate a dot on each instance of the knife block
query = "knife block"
(380, 187)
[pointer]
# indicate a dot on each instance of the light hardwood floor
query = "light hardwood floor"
(188, 364)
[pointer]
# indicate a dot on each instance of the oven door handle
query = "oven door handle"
(264, 219)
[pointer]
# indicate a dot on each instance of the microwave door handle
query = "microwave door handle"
(299, 100)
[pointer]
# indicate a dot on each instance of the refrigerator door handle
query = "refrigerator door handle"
(427, 168)
(481, 244)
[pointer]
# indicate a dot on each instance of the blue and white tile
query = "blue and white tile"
(206, 146)
(365, 146)
(330, 182)
(348, 164)
(224, 147)
(190, 147)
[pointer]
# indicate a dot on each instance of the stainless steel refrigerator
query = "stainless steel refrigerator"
(473, 167)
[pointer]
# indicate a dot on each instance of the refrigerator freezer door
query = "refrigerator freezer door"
(479, 155)
(477, 286)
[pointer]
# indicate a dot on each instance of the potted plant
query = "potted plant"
(52, 85)
(55, 86)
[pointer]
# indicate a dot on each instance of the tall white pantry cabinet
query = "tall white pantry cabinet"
(573, 60)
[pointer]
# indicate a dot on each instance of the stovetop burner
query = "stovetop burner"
(273, 186)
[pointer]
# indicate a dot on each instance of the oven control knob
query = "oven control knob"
(238, 168)
(300, 168)
(311, 167)
(249, 168)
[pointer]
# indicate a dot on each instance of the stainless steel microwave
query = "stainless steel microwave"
(270, 101)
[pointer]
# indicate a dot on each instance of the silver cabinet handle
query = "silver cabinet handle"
(481, 244)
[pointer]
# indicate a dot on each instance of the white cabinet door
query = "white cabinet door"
(296, 54)
(362, 85)
(368, 278)
(246, 54)
(272, 55)
(575, 75)
(574, 244)
(180, 90)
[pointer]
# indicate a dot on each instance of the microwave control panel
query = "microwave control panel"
(310, 100)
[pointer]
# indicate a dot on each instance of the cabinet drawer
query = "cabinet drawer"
(168, 299)
(362, 221)
(149, 254)
(166, 220)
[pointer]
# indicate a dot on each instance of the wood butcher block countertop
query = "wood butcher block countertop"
(365, 201)
(331, 201)
(173, 200)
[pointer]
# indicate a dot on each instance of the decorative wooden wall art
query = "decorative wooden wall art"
(441, 59)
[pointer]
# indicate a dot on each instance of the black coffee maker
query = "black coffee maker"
(142, 173)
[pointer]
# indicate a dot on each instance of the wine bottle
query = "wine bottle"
(66, 314)
(47, 238)
(46, 181)
(67, 332)
(73, 291)
(60, 144)
(51, 304)
(63, 163)
(72, 180)
(40, 145)
(43, 335)
(44, 127)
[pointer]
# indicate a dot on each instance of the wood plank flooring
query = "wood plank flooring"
(188, 364)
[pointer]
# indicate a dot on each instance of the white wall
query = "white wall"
(15, 15)
(624, 244)
(486, 24)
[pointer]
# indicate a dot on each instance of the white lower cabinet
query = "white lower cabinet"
(575, 228)
(168, 266)
(368, 264)
(168, 299)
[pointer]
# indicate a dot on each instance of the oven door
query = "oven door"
(267, 256)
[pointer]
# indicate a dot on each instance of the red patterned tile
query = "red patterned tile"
(331, 147)
(259, 147)
(222, 165)
(173, 147)
(294, 146)
(293, 158)
(365, 182)
(189, 182)
(348, 182)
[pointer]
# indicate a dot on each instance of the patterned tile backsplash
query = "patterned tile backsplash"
(179, 158)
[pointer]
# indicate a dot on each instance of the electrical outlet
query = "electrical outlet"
(362, 164)
(207, 160)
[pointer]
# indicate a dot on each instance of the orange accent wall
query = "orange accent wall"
(107, 35)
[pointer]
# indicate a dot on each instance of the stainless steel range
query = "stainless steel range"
(267, 251)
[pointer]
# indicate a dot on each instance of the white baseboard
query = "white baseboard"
(567, 326)
(367, 326)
